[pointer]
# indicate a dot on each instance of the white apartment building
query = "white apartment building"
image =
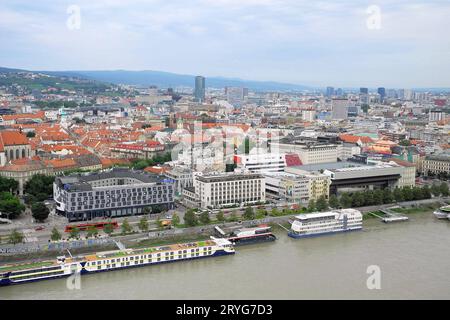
(226, 190)
(265, 162)
(309, 152)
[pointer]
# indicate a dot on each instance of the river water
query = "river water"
(413, 257)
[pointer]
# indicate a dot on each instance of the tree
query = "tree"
(357, 199)
(39, 211)
(16, 237)
(10, 205)
(220, 216)
(233, 217)
(261, 213)
(378, 197)
(426, 192)
(175, 220)
(345, 200)
(274, 212)
(404, 143)
(249, 214)
(311, 205)
(435, 190)
(40, 186)
(8, 185)
(190, 219)
(143, 224)
(333, 202)
(108, 228)
(407, 194)
(388, 196)
(398, 195)
(55, 236)
(126, 228)
(321, 204)
(444, 189)
(74, 232)
(92, 231)
(204, 217)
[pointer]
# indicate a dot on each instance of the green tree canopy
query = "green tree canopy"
(321, 204)
(333, 202)
(39, 211)
(175, 220)
(40, 186)
(249, 214)
(204, 217)
(8, 185)
(220, 216)
(56, 235)
(126, 228)
(10, 205)
(143, 224)
(190, 219)
(16, 237)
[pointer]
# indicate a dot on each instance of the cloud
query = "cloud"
(311, 42)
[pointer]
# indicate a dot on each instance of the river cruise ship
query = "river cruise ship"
(442, 212)
(112, 260)
(261, 233)
(321, 223)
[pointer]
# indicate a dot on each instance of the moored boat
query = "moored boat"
(112, 260)
(261, 233)
(320, 223)
(442, 212)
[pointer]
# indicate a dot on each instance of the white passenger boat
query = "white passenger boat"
(112, 260)
(320, 223)
(442, 212)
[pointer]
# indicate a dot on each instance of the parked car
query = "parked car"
(39, 228)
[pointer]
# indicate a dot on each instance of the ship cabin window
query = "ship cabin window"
(99, 267)
(131, 258)
(113, 265)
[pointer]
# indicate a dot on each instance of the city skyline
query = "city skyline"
(297, 42)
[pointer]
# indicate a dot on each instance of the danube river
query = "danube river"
(413, 258)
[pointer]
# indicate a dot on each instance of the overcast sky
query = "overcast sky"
(304, 42)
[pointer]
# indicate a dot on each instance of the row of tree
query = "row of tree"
(157, 159)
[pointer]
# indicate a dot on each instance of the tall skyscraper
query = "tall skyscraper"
(382, 92)
(363, 96)
(199, 91)
(329, 92)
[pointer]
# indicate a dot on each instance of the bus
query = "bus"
(85, 226)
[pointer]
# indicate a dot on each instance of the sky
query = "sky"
(347, 43)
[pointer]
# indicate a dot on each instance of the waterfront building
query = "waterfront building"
(297, 186)
(182, 177)
(212, 191)
(113, 193)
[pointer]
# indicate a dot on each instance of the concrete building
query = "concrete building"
(215, 191)
(297, 186)
(199, 91)
(436, 164)
(182, 177)
(436, 115)
(113, 193)
(265, 162)
(310, 152)
(339, 109)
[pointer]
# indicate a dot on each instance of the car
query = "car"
(39, 228)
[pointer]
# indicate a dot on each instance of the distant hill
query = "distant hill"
(167, 79)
